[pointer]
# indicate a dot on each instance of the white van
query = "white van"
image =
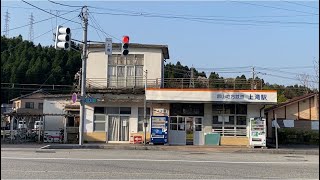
(22, 124)
(38, 124)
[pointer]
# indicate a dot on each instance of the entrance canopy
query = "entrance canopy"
(209, 95)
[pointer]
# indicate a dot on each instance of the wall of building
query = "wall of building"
(97, 64)
(102, 136)
(54, 106)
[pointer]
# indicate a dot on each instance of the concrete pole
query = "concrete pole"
(11, 128)
(276, 129)
(145, 108)
(83, 74)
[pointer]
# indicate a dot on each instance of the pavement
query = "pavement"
(147, 164)
(304, 150)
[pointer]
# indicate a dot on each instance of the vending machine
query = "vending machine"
(258, 132)
(159, 129)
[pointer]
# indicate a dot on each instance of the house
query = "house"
(194, 107)
(300, 112)
(29, 103)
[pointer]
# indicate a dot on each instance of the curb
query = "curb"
(182, 149)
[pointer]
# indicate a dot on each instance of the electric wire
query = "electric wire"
(50, 13)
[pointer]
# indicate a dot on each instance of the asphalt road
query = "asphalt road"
(138, 164)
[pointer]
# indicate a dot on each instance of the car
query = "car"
(22, 125)
(38, 124)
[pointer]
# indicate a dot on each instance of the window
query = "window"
(230, 119)
(40, 106)
(126, 110)
(173, 123)
(187, 109)
(30, 105)
(99, 121)
(124, 71)
(141, 118)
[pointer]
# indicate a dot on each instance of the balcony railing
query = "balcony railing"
(177, 83)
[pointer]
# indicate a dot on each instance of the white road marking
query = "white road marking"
(161, 160)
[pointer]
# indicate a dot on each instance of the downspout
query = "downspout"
(264, 106)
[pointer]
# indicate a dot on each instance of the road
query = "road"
(138, 164)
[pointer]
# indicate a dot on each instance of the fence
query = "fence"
(180, 83)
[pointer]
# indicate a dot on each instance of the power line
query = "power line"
(43, 20)
(50, 12)
(300, 4)
(272, 7)
(63, 4)
(209, 20)
(93, 20)
(284, 77)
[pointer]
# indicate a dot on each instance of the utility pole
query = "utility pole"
(31, 28)
(253, 73)
(6, 25)
(192, 77)
(276, 129)
(84, 16)
(145, 108)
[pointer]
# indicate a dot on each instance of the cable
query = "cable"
(96, 24)
(41, 20)
(209, 20)
(63, 4)
(50, 13)
(279, 71)
(272, 7)
(300, 4)
(284, 77)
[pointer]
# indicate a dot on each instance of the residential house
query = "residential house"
(300, 112)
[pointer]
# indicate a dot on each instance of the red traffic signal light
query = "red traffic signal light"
(125, 39)
(125, 45)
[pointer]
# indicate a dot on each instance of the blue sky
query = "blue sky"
(274, 34)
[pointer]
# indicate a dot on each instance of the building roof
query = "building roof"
(26, 95)
(57, 96)
(294, 100)
(164, 48)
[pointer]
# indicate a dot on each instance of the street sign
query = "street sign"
(108, 46)
(74, 97)
(90, 100)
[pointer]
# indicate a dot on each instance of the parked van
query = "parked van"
(22, 124)
(38, 124)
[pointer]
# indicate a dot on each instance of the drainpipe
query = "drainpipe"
(264, 106)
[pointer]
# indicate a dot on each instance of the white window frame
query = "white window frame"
(135, 79)
(225, 127)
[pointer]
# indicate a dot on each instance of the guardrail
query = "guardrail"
(180, 83)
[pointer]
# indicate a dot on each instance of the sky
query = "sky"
(279, 38)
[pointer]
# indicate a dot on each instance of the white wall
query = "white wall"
(133, 121)
(254, 110)
(54, 106)
(98, 61)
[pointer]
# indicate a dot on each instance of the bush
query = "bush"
(296, 136)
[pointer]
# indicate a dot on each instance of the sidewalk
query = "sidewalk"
(305, 150)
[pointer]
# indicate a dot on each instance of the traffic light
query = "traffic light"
(125, 45)
(63, 38)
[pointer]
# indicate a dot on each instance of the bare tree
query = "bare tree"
(316, 69)
(305, 81)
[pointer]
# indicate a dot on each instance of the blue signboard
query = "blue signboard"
(159, 129)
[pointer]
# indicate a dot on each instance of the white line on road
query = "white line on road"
(161, 160)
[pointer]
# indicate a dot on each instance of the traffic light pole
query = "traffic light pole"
(83, 74)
